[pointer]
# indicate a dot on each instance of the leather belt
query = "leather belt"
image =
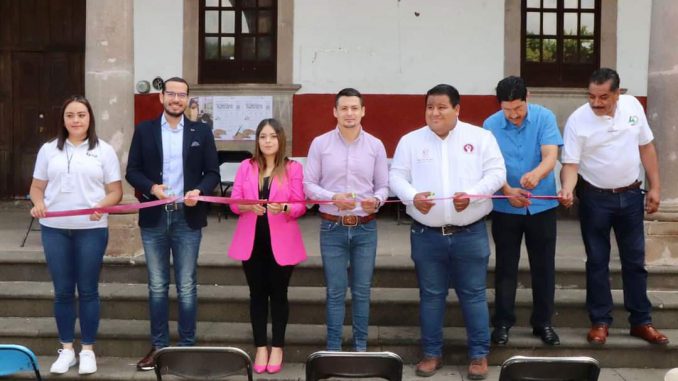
(448, 229)
(588, 185)
(350, 220)
(173, 206)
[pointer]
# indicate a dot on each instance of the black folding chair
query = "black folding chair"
(322, 365)
(202, 363)
(522, 368)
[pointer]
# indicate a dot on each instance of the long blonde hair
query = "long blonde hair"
(279, 170)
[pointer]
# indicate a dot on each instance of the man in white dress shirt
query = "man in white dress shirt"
(449, 158)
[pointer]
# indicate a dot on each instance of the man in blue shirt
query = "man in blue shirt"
(529, 138)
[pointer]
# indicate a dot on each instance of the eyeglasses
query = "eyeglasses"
(172, 94)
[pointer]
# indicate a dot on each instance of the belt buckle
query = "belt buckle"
(449, 229)
(350, 220)
(171, 207)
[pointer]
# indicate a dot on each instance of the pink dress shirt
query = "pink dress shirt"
(336, 166)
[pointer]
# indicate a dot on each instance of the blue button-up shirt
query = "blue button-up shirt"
(521, 147)
(172, 157)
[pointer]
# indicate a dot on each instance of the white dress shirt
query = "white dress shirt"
(606, 148)
(467, 160)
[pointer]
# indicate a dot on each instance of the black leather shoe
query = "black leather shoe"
(500, 335)
(547, 334)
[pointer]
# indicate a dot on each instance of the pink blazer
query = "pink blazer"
(286, 240)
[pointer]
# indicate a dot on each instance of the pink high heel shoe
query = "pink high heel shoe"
(259, 369)
(273, 369)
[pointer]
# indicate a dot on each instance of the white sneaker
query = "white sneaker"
(66, 360)
(88, 362)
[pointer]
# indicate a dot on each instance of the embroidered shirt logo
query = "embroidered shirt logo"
(424, 155)
(468, 148)
(633, 120)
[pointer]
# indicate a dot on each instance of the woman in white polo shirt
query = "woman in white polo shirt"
(75, 171)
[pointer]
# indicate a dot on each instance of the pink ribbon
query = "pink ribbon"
(131, 208)
(117, 209)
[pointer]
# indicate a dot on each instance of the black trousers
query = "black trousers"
(267, 281)
(540, 239)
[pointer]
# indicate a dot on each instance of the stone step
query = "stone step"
(123, 369)
(129, 338)
(389, 306)
(391, 271)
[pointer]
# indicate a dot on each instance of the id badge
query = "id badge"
(67, 183)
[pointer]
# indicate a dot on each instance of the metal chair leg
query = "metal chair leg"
(30, 226)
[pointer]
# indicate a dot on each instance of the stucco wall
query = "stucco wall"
(398, 47)
(633, 44)
(158, 39)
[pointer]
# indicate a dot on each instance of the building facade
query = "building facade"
(301, 52)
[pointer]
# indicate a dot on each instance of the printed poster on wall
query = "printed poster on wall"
(231, 117)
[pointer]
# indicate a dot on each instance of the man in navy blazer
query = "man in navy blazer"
(172, 156)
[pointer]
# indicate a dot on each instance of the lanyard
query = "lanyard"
(68, 159)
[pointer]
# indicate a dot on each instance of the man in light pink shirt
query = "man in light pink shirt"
(349, 166)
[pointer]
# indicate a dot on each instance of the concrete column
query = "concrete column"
(109, 85)
(662, 228)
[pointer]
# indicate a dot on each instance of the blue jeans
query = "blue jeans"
(74, 258)
(623, 212)
(342, 247)
(460, 261)
(172, 235)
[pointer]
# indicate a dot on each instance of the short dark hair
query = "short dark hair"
(62, 132)
(603, 75)
(348, 92)
(175, 79)
(444, 89)
(511, 88)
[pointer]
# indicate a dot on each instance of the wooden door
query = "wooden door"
(42, 47)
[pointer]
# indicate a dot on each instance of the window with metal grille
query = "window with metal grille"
(560, 42)
(238, 41)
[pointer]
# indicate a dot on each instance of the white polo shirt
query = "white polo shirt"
(467, 160)
(78, 185)
(606, 148)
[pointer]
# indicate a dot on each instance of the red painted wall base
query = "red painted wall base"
(387, 116)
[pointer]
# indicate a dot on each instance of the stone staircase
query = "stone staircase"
(26, 313)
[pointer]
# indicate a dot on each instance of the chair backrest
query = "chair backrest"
(227, 171)
(322, 365)
(17, 358)
(233, 156)
(202, 363)
(522, 368)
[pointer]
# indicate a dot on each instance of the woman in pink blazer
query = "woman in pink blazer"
(267, 237)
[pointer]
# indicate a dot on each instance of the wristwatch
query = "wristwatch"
(285, 208)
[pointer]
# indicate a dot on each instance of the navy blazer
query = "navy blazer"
(201, 168)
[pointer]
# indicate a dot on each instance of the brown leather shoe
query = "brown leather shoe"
(649, 333)
(598, 334)
(477, 369)
(428, 366)
(148, 362)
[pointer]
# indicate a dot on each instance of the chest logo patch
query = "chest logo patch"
(633, 120)
(468, 148)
